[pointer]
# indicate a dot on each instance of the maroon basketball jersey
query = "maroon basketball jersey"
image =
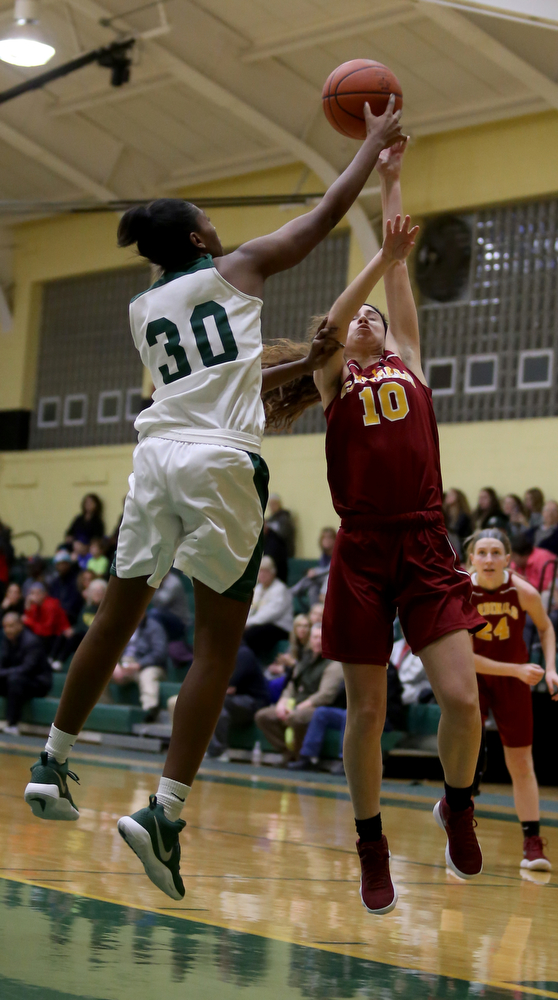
(502, 637)
(383, 455)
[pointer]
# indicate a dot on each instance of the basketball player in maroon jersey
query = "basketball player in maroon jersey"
(504, 673)
(392, 555)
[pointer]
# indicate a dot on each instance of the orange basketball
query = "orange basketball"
(347, 89)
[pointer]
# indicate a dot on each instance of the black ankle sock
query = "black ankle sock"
(369, 829)
(531, 828)
(458, 798)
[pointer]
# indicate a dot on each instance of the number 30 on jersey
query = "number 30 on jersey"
(392, 399)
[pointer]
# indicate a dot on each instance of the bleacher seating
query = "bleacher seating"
(124, 712)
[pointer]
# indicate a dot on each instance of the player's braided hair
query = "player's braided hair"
(288, 402)
(496, 533)
(161, 231)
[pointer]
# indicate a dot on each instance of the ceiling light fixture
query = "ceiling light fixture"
(25, 44)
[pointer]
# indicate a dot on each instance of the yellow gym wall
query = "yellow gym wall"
(510, 160)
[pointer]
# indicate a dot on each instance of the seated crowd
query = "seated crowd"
(281, 680)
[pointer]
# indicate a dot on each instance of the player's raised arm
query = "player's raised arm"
(294, 241)
(403, 334)
(398, 243)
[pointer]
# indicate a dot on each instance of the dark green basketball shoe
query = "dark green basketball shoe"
(47, 792)
(154, 839)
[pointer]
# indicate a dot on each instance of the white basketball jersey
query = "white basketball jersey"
(201, 340)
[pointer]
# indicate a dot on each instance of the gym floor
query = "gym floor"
(271, 907)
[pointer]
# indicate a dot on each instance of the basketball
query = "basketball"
(347, 89)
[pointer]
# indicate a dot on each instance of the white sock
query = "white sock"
(172, 795)
(59, 744)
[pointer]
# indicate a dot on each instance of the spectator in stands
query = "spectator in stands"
(457, 515)
(45, 616)
(415, 686)
(6, 553)
(36, 573)
(279, 672)
(13, 599)
(281, 522)
(246, 694)
(316, 613)
(279, 536)
(310, 586)
(325, 717)
(270, 618)
(546, 537)
(534, 503)
(84, 578)
(315, 681)
(516, 513)
(298, 641)
(80, 553)
(89, 524)
(93, 597)
(170, 599)
(536, 565)
(143, 663)
(67, 643)
(489, 513)
(24, 669)
(98, 562)
(64, 586)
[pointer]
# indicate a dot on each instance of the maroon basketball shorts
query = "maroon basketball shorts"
(512, 707)
(383, 567)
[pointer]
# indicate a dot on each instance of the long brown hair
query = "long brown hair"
(288, 402)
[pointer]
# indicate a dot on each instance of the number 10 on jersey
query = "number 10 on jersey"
(392, 399)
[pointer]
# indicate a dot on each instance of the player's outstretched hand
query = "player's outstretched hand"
(390, 160)
(551, 678)
(384, 127)
(530, 673)
(324, 346)
(399, 239)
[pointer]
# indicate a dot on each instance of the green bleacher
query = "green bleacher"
(123, 712)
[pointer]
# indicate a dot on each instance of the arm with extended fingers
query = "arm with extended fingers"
(398, 243)
(403, 335)
(293, 242)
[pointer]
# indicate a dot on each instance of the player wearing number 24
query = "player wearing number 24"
(504, 673)
(392, 552)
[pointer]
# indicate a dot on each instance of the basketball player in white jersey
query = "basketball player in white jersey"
(199, 485)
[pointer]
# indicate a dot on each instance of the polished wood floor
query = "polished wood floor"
(271, 858)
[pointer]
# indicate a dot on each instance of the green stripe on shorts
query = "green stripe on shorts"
(243, 588)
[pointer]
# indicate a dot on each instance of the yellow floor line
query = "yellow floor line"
(511, 987)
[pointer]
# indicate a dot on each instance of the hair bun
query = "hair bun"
(134, 224)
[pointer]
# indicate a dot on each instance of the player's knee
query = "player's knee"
(367, 716)
(521, 765)
(461, 705)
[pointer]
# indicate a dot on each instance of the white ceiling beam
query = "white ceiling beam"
(211, 91)
(329, 31)
(228, 166)
(475, 113)
(539, 13)
(474, 37)
(54, 163)
(110, 95)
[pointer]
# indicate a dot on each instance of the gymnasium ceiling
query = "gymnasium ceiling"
(234, 86)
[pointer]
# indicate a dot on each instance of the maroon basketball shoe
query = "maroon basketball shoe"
(377, 891)
(534, 856)
(463, 853)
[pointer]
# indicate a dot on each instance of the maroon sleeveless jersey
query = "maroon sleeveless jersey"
(382, 449)
(502, 638)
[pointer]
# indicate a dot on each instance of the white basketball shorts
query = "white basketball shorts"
(199, 507)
